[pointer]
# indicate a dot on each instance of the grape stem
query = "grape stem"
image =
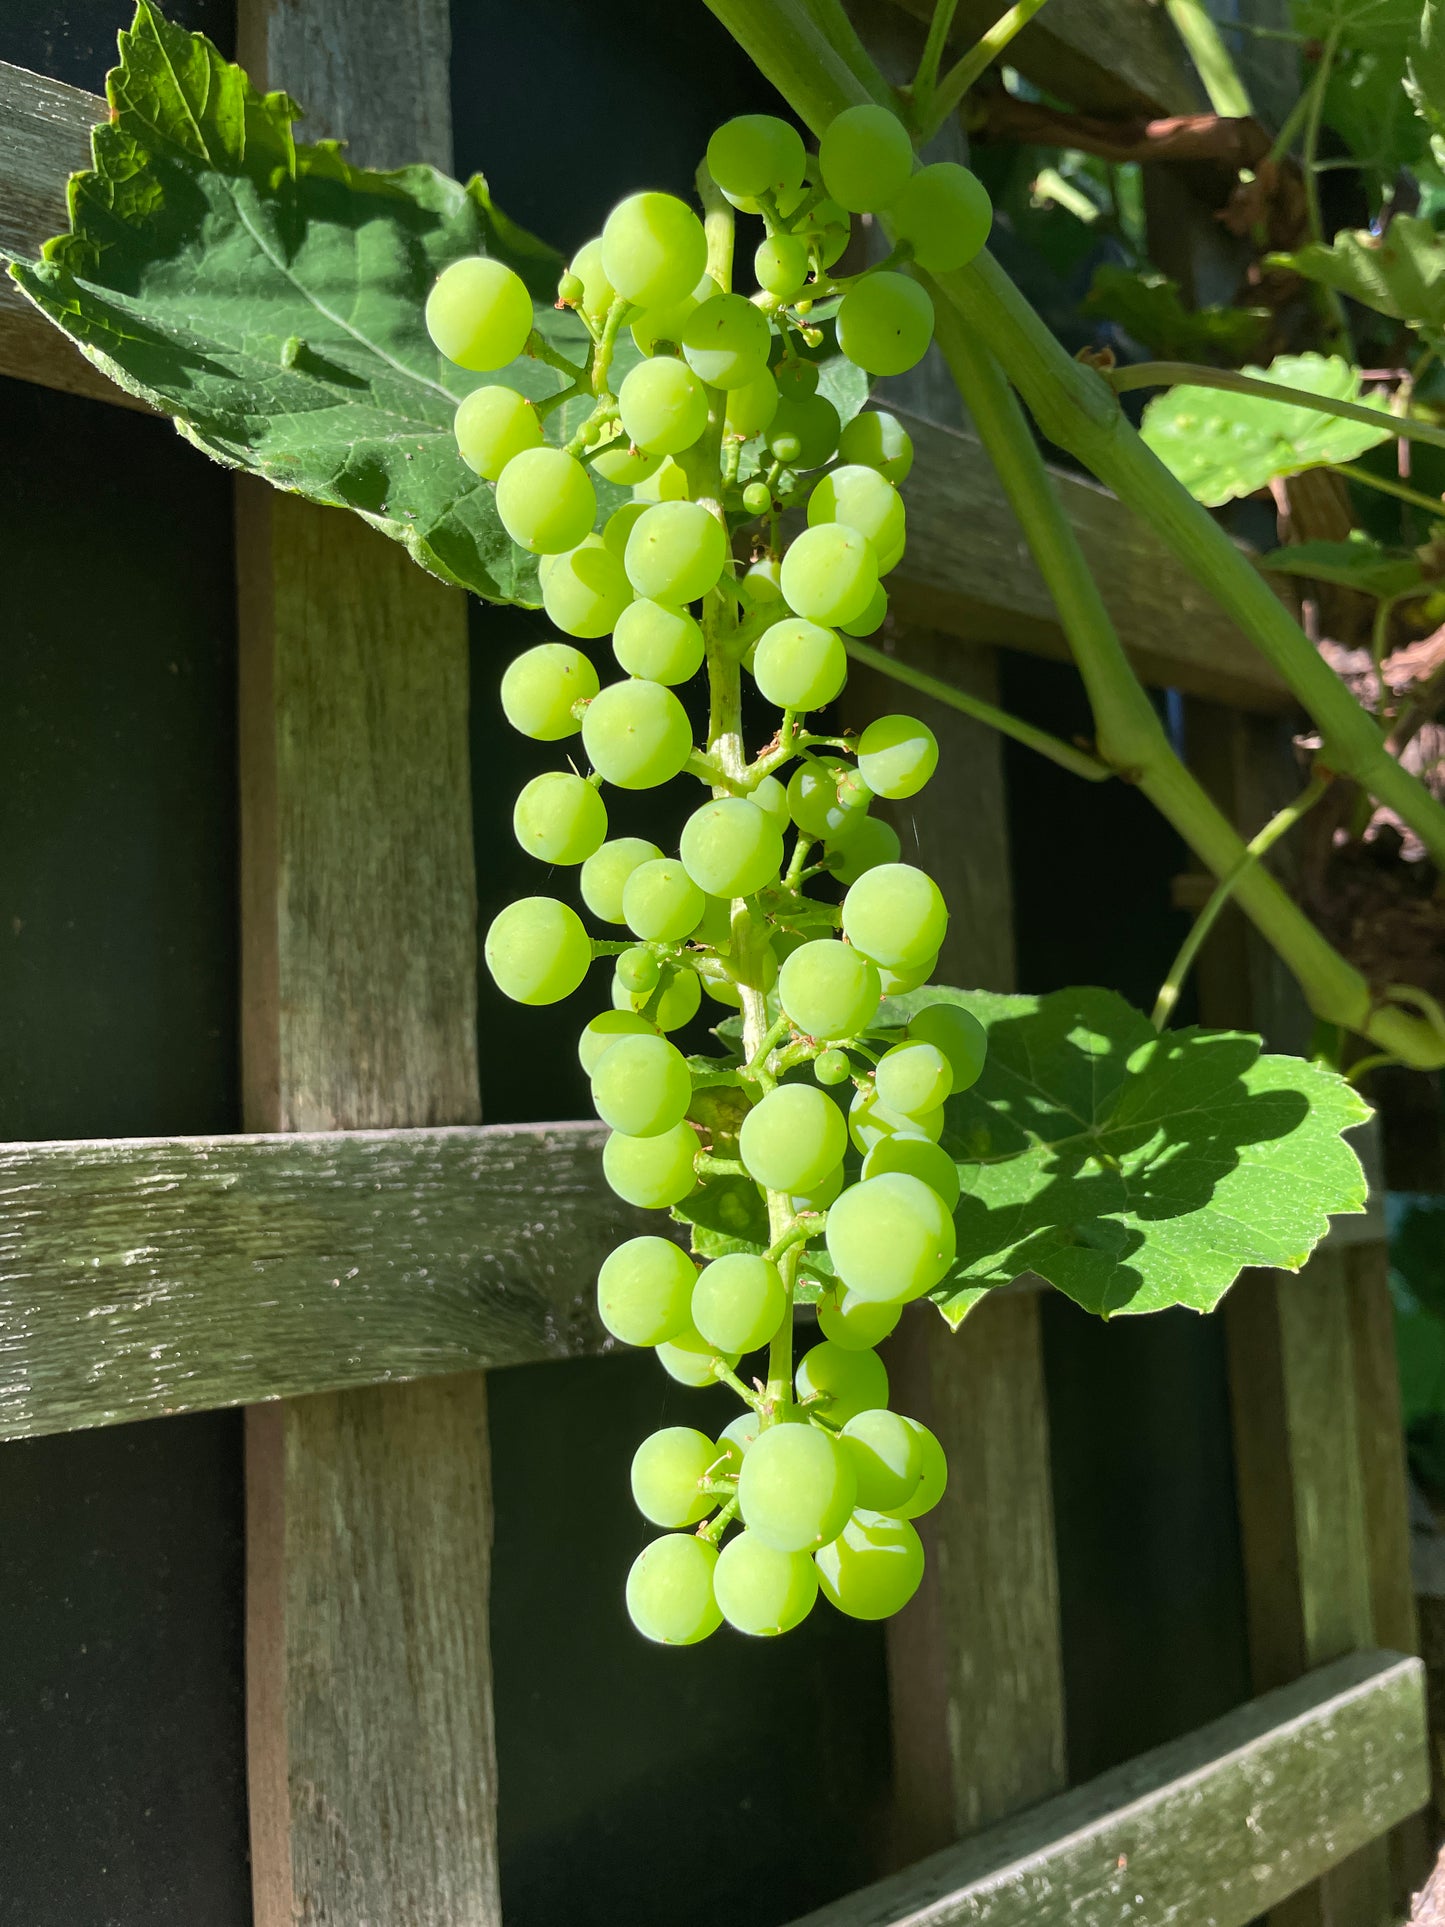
(540, 349)
(707, 1166)
(713, 1529)
(727, 1376)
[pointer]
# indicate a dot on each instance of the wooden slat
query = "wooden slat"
(1207, 1831)
(149, 1276)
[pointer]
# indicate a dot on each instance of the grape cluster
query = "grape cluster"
(786, 899)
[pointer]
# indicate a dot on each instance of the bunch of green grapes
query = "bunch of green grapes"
(786, 898)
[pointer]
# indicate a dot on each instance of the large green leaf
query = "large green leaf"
(1359, 562)
(1400, 273)
(1148, 306)
(1133, 1170)
(1222, 445)
(1356, 23)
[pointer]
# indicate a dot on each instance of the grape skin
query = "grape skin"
(920, 1157)
(887, 1456)
(843, 1381)
(644, 1289)
(663, 405)
(857, 1324)
(491, 426)
(653, 249)
(675, 552)
(545, 500)
(651, 1172)
(873, 1568)
(756, 154)
(541, 687)
(636, 734)
(658, 642)
(830, 573)
(934, 1482)
(751, 406)
(660, 902)
(725, 341)
(895, 915)
(479, 314)
(667, 1470)
(762, 1591)
(829, 989)
(799, 665)
(885, 323)
(866, 158)
(795, 1488)
(860, 497)
(738, 1302)
(913, 1077)
(896, 756)
(873, 843)
(602, 1032)
(792, 1138)
(944, 214)
(559, 818)
(958, 1034)
(605, 873)
(537, 950)
(669, 1590)
(691, 1360)
(890, 1238)
(731, 848)
(676, 1004)
(876, 439)
(642, 1086)
(586, 590)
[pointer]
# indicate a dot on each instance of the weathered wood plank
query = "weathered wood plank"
(1207, 1831)
(140, 1277)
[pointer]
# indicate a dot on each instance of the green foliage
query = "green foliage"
(1425, 77)
(1147, 305)
(1356, 23)
(1400, 273)
(1360, 562)
(1223, 445)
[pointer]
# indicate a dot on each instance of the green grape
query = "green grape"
(625, 466)
(668, 1470)
(897, 755)
(857, 1324)
(872, 618)
(657, 642)
(644, 1289)
(668, 484)
(887, 1457)
(832, 1067)
(669, 1590)
(636, 734)
(872, 843)
(799, 665)
(918, 1155)
(895, 913)
(757, 498)
(479, 314)
(772, 799)
(736, 1439)
(606, 871)
(559, 818)
(752, 406)
(796, 1488)
(598, 294)
(890, 1238)
(876, 439)
(830, 573)
(491, 426)
(944, 214)
(542, 686)
(869, 1119)
(586, 590)
(934, 1482)
(860, 497)
(829, 990)
(731, 848)
(663, 405)
(651, 1172)
(545, 500)
(804, 430)
(888, 559)
(537, 950)
(716, 924)
(621, 522)
(725, 341)
(830, 230)
(828, 799)
(762, 1591)
(781, 265)
(676, 552)
(913, 1077)
(690, 1359)
(958, 1034)
(755, 154)
(738, 1302)
(821, 1195)
(844, 1382)
(873, 1568)
(638, 970)
(791, 1139)
(642, 1086)
(762, 584)
(896, 982)
(797, 378)
(654, 326)
(677, 1000)
(603, 1031)
(660, 901)
(865, 157)
(885, 323)
(653, 249)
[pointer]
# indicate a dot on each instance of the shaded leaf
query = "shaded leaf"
(1366, 104)
(1221, 445)
(1400, 273)
(1355, 23)
(1360, 562)
(726, 1214)
(1425, 76)
(1148, 307)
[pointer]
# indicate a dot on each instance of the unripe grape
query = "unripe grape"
(827, 799)
(676, 552)
(795, 1488)
(738, 1302)
(559, 818)
(726, 341)
(752, 406)
(479, 313)
(598, 293)
(621, 522)
(944, 214)
(843, 1382)
(491, 426)
(832, 1067)
(781, 265)
(731, 848)
(644, 1289)
(890, 1238)
(804, 431)
(736, 1438)
(958, 1034)
(876, 439)
(796, 377)
(799, 665)
(691, 1360)
(755, 154)
(820, 1196)
(664, 324)
(913, 1077)
(857, 1324)
(660, 901)
(642, 1086)
(792, 1138)
(625, 466)
(762, 584)
(869, 1119)
(772, 799)
(862, 499)
(653, 249)
(872, 843)
(537, 950)
(667, 1471)
(602, 1032)
(934, 1482)
(668, 484)
(762, 1591)
(677, 1002)
(829, 229)
(757, 498)
(897, 755)
(663, 405)
(541, 687)
(896, 982)
(873, 1568)
(829, 989)
(872, 618)
(545, 500)
(657, 642)
(669, 1590)
(895, 914)
(887, 1457)
(586, 590)
(636, 734)
(638, 971)
(866, 158)
(885, 323)
(830, 573)
(606, 871)
(919, 1157)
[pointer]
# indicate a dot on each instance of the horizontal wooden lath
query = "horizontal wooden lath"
(1208, 1831)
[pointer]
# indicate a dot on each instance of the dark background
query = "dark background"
(623, 1769)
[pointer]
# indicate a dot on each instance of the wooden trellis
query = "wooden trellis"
(351, 1267)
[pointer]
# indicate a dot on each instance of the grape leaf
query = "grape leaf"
(1149, 308)
(1221, 445)
(1355, 23)
(1425, 76)
(1400, 273)
(1132, 1170)
(1360, 562)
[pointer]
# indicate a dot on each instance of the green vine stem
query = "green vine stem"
(1227, 92)
(966, 72)
(1167, 374)
(1386, 485)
